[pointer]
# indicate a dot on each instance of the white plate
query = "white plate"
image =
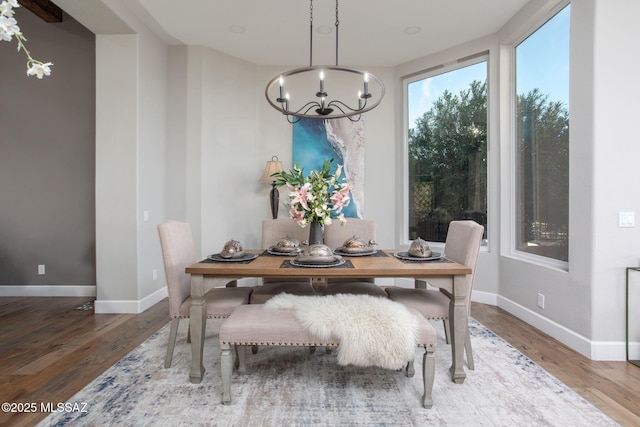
(405, 256)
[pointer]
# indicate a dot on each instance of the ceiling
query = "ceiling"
(371, 32)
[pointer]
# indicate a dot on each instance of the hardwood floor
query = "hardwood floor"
(50, 350)
(613, 387)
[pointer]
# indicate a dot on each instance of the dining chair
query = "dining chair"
(178, 252)
(272, 231)
(335, 235)
(462, 245)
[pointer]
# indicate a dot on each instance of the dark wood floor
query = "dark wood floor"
(50, 350)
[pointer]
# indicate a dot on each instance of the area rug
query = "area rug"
(290, 386)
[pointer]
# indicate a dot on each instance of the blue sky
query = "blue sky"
(542, 62)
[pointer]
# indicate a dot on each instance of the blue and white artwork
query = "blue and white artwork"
(317, 140)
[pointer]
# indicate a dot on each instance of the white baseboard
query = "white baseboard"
(47, 291)
(484, 297)
(131, 306)
(594, 350)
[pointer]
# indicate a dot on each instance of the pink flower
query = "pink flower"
(341, 198)
(301, 195)
(297, 215)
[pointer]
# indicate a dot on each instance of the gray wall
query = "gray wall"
(47, 156)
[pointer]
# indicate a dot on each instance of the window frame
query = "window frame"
(474, 59)
(514, 252)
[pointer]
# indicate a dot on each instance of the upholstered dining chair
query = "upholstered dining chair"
(462, 245)
(272, 231)
(335, 235)
(178, 253)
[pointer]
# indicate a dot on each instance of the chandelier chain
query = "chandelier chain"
(311, 33)
(337, 27)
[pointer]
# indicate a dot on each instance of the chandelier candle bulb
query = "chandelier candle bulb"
(359, 100)
(366, 83)
(321, 82)
(281, 86)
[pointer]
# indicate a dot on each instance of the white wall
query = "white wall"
(131, 100)
(615, 168)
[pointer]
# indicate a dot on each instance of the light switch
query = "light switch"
(626, 219)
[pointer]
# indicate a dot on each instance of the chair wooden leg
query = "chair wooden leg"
(172, 342)
(226, 366)
(410, 371)
(469, 351)
(428, 376)
(447, 331)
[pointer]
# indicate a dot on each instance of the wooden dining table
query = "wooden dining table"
(442, 273)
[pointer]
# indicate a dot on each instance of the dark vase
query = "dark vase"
(315, 232)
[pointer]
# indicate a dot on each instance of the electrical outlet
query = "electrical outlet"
(41, 270)
(540, 300)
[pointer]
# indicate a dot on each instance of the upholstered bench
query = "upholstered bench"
(252, 325)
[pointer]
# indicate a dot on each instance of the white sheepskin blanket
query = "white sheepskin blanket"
(372, 331)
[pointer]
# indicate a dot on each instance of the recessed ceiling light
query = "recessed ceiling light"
(324, 29)
(412, 30)
(237, 29)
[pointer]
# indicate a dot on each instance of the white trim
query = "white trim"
(47, 291)
(484, 298)
(130, 306)
(594, 350)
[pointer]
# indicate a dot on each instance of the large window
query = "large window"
(542, 140)
(447, 150)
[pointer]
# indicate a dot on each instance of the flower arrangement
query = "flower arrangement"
(316, 197)
(9, 29)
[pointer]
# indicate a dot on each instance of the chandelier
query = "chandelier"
(368, 90)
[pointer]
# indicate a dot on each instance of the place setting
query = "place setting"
(287, 246)
(419, 251)
(232, 251)
(357, 247)
(317, 255)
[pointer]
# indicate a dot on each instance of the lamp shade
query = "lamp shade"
(273, 166)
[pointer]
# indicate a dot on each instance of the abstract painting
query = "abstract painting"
(317, 140)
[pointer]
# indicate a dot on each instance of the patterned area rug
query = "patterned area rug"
(289, 386)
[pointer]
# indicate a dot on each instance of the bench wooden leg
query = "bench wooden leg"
(226, 367)
(241, 353)
(428, 376)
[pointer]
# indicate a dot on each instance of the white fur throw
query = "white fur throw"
(372, 331)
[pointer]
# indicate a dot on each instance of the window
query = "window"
(542, 140)
(447, 150)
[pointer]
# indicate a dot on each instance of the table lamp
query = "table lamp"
(273, 166)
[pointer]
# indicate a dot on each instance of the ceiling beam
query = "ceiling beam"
(44, 9)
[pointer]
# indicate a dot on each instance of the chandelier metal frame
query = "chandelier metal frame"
(321, 108)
